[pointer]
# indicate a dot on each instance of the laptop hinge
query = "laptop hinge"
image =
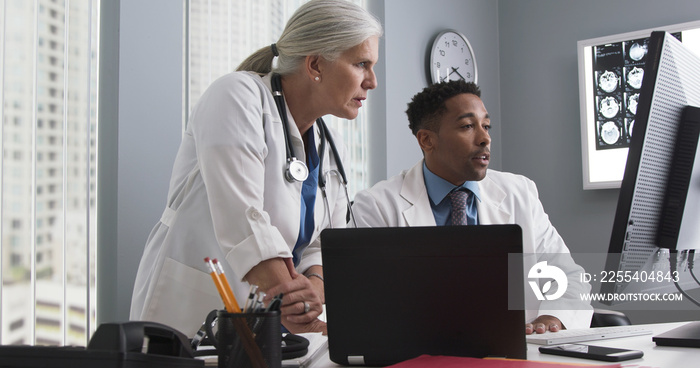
(356, 360)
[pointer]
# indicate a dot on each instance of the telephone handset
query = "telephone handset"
(141, 337)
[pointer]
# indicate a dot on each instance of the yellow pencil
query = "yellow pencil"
(230, 304)
(226, 285)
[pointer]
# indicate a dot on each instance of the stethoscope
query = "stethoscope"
(296, 170)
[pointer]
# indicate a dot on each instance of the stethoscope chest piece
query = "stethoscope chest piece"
(296, 170)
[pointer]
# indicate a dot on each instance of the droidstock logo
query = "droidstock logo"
(554, 274)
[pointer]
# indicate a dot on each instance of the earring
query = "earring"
(317, 79)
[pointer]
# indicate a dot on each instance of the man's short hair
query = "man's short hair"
(426, 107)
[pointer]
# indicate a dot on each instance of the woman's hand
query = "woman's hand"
(302, 303)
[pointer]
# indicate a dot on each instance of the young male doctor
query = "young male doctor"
(451, 125)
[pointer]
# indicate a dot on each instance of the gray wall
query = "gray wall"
(410, 27)
(526, 56)
(140, 131)
(540, 107)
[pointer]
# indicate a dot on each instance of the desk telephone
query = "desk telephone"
(135, 344)
(141, 337)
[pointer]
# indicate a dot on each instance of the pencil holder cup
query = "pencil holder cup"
(249, 340)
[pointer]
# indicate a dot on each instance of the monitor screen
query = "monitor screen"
(671, 82)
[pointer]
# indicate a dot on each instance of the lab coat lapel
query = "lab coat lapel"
(489, 209)
(413, 191)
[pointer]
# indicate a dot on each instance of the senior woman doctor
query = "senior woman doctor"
(229, 197)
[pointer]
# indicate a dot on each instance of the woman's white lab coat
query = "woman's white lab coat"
(228, 199)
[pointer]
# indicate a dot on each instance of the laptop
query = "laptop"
(393, 294)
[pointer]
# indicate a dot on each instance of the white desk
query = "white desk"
(654, 356)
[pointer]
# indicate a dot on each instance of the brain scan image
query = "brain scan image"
(610, 132)
(637, 51)
(632, 102)
(609, 107)
(608, 81)
(634, 77)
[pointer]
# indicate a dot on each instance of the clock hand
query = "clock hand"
(454, 70)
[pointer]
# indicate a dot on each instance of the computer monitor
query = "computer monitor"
(657, 218)
(671, 83)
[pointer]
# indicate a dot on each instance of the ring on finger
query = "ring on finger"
(307, 307)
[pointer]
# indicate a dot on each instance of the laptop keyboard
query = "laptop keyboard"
(586, 334)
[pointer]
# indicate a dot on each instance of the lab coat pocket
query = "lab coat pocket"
(182, 297)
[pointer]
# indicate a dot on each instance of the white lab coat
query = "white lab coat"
(228, 199)
(505, 199)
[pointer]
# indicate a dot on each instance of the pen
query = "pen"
(259, 302)
(274, 303)
(250, 302)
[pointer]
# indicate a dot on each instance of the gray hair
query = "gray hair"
(319, 27)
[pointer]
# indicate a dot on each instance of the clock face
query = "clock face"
(452, 58)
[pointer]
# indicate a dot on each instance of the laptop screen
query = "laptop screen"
(393, 294)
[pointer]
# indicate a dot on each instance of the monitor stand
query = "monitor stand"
(685, 336)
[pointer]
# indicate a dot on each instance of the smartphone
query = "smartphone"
(592, 352)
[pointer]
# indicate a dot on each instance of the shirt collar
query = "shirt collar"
(438, 188)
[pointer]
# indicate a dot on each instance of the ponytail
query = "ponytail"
(259, 62)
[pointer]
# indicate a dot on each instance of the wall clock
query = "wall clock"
(452, 58)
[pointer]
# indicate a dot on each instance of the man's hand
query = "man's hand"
(543, 324)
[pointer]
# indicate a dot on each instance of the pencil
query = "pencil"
(225, 284)
(225, 296)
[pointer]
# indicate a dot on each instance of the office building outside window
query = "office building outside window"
(222, 33)
(48, 74)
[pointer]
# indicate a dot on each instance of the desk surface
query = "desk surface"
(654, 356)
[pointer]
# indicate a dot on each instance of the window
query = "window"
(222, 33)
(47, 240)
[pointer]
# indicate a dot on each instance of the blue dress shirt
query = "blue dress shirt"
(438, 188)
